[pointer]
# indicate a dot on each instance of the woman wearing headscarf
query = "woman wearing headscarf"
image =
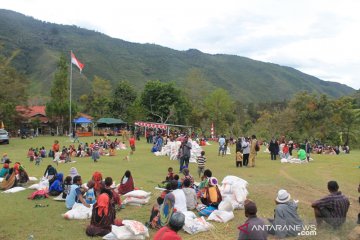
(126, 183)
(9, 181)
(212, 195)
(99, 184)
(20, 172)
(73, 172)
(56, 188)
(5, 170)
(103, 215)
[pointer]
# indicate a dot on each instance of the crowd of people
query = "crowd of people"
(180, 192)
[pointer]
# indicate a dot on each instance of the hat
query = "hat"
(283, 196)
(5, 154)
(73, 172)
(213, 181)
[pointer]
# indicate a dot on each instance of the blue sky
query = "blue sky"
(318, 37)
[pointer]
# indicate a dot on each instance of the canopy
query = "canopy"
(82, 120)
(110, 121)
(151, 125)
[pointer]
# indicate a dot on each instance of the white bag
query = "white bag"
(79, 211)
(138, 194)
(137, 228)
(14, 190)
(193, 226)
(221, 216)
(33, 179)
(129, 200)
(122, 233)
(226, 205)
(34, 186)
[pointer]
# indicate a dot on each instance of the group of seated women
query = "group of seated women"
(13, 176)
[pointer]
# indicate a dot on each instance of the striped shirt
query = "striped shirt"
(337, 204)
(201, 161)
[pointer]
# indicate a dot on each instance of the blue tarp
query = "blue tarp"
(82, 120)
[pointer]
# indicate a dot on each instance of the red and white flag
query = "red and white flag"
(212, 130)
(76, 62)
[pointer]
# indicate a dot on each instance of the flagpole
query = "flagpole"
(70, 88)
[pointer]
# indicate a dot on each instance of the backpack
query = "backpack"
(257, 147)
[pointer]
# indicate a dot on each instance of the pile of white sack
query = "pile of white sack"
(131, 230)
(224, 213)
(194, 224)
(171, 149)
(234, 190)
(42, 185)
(137, 198)
(294, 160)
(79, 211)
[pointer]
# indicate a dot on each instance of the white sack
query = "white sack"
(14, 190)
(196, 225)
(79, 211)
(138, 194)
(221, 216)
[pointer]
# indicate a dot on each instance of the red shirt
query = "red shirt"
(132, 141)
(165, 233)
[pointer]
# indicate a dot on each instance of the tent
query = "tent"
(82, 120)
(85, 132)
(110, 121)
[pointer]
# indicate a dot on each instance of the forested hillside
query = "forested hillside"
(41, 44)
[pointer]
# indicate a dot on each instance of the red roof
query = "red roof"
(29, 112)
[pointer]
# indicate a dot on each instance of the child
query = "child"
(90, 194)
(132, 144)
(190, 195)
(239, 159)
(169, 177)
(30, 154)
(177, 178)
(67, 186)
(37, 159)
(201, 163)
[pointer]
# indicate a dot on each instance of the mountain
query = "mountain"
(41, 43)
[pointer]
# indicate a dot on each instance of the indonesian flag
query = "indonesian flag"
(76, 62)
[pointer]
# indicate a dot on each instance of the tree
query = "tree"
(123, 98)
(164, 102)
(57, 109)
(100, 96)
(220, 109)
(13, 87)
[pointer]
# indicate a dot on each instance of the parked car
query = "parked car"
(4, 136)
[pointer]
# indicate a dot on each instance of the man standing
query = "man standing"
(253, 150)
(222, 145)
(332, 208)
(307, 149)
(184, 153)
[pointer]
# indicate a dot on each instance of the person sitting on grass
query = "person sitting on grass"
(98, 180)
(75, 195)
(187, 175)
(169, 177)
(9, 181)
(252, 220)
(285, 214)
(115, 201)
(176, 223)
(211, 195)
(5, 170)
(56, 187)
(50, 174)
(103, 215)
(21, 174)
(66, 186)
(302, 153)
(190, 194)
(90, 193)
(126, 183)
(332, 208)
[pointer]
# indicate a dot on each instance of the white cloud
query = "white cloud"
(318, 37)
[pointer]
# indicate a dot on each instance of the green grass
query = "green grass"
(19, 217)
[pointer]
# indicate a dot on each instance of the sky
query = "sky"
(318, 37)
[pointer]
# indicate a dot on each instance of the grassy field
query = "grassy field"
(19, 218)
